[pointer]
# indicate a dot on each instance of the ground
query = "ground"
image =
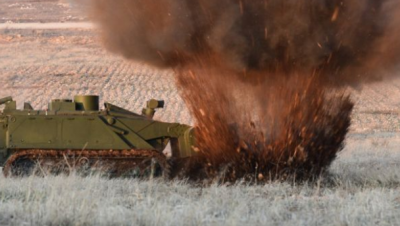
(39, 63)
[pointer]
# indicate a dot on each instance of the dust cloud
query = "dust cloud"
(263, 78)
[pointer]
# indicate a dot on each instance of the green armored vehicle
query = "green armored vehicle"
(78, 134)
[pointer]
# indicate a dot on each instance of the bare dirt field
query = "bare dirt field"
(39, 63)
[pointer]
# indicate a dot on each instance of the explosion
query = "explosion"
(262, 78)
(281, 129)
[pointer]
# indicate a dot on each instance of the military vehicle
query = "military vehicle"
(77, 134)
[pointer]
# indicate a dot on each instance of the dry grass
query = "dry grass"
(363, 190)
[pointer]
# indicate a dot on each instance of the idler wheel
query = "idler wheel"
(148, 169)
(83, 162)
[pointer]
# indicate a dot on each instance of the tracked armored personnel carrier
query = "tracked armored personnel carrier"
(76, 134)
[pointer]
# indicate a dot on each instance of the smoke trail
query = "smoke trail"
(260, 76)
